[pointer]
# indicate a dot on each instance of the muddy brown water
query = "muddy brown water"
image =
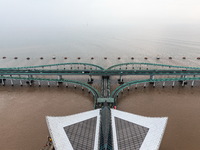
(23, 111)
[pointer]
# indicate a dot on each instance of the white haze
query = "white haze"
(42, 26)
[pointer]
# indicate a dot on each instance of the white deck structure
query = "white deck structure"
(129, 131)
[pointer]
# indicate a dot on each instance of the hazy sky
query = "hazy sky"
(25, 24)
(59, 13)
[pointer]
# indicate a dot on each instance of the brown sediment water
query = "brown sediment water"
(181, 105)
(23, 111)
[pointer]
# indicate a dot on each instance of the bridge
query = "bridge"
(58, 73)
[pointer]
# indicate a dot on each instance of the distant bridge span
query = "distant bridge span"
(30, 73)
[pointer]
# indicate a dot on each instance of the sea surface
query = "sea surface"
(87, 41)
(23, 109)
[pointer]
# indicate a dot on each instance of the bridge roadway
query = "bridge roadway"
(98, 72)
(95, 70)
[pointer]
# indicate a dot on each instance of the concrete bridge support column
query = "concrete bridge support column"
(3, 83)
(145, 84)
(21, 82)
(12, 82)
(39, 84)
(151, 77)
(30, 76)
(173, 83)
(120, 80)
(163, 84)
(90, 80)
(183, 76)
(183, 83)
(60, 77)
(192, 83)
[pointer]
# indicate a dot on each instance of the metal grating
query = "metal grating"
(105, 135)
(82, 134)
(130, 136)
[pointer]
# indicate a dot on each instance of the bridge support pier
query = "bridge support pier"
(30, 76)
(90, 80)
(183, 83)
(151, 78)
(21, 82)
(12, 82)
(145, 84)
(192, 83)
(163, 84)
(39, 84)
(3, 83)
(120, 80)
(173, 84)
(60, 77)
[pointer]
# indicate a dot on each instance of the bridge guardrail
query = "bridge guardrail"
(125, 85)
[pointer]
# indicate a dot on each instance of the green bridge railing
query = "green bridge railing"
(128, 84)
